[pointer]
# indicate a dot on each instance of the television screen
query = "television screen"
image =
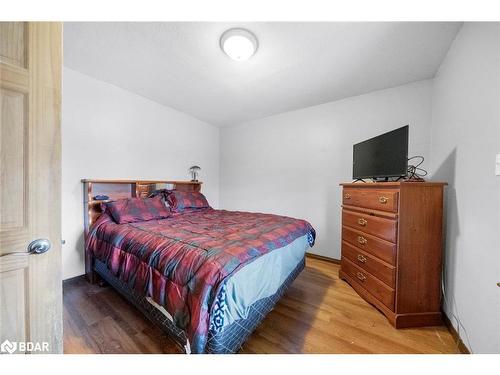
(382, 156)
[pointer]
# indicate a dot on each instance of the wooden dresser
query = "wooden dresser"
(392, 246)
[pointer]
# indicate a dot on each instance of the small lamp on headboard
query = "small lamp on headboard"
(194, 172)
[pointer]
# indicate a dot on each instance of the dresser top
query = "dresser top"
(391, 184)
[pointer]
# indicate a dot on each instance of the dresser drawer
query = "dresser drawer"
(380, 227)
(371, 264)
(374, 286)
(382, 249)
(384, 200)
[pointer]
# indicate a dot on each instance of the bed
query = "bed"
(206, 277)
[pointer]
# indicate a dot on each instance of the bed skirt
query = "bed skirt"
(229, 340)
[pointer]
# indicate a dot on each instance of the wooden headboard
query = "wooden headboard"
(118, 189)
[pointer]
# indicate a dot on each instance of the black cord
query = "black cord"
(414, 172)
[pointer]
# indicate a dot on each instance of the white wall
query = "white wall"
(292, 163)
(465, 137)
(111, 133)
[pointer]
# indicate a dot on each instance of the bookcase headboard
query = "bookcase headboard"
(119, 189)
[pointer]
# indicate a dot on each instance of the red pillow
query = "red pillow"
(180, 200)
(138, 209)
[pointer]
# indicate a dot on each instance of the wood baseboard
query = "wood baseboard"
(460, 344)
(321, 257)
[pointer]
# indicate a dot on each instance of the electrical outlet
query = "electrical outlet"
(497, 165)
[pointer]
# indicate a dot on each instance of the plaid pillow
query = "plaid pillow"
(130, 210)
(181, 200)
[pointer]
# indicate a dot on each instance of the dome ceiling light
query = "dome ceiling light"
(238, 44)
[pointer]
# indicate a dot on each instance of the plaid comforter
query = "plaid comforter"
(182, 261)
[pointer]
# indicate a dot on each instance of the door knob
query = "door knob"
(40, 246)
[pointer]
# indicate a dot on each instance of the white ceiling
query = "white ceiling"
(297, 64)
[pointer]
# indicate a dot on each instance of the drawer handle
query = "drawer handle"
(361, 258)
(347, 196)
(362, 240)
(362, 221)
(383, 200)
(360, 276)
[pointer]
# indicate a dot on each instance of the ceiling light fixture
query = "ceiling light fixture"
(238, 44)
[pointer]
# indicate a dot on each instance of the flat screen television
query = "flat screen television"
(383, 156)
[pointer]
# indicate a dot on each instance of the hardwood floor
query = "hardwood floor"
(318, 314)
